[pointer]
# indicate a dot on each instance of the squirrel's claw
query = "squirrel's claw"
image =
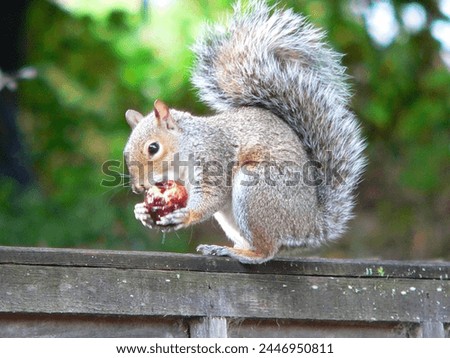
(141, 214)
(175, 220)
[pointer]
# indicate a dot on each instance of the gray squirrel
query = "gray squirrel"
(279, 163)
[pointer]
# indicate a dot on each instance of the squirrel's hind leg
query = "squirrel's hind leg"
(243, 250)
(226, 221)
(254, 242)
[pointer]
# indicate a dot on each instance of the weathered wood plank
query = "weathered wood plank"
(90, 326)
(432, 329)
(66, 291)
(173, 262)
(106, 291)
(252, 328)
(208, 327)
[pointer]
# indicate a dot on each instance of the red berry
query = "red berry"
(166, 197)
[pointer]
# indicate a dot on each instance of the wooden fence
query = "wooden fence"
(85, 293)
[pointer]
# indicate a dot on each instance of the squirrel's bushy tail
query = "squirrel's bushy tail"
(276, 60)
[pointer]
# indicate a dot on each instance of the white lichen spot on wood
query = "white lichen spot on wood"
(31, 288)
(314, 287)
(65, 287)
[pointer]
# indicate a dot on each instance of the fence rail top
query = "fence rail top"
(190, 262)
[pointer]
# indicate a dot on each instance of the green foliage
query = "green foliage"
(96, 62)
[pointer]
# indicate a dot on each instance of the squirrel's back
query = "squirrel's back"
(274, 59)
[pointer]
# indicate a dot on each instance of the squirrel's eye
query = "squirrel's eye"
(153, 148)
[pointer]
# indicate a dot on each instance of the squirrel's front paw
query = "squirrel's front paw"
(141, 213)
(175, 220)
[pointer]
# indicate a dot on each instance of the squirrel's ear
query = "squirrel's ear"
(133, 117)
(163, 116)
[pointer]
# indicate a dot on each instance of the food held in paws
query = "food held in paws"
(164, 198)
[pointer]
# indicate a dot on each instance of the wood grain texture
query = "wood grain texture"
(208, 327)
(319, 329)
(91, 326)
(204, 294)
(172, 261)
(82, 290)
